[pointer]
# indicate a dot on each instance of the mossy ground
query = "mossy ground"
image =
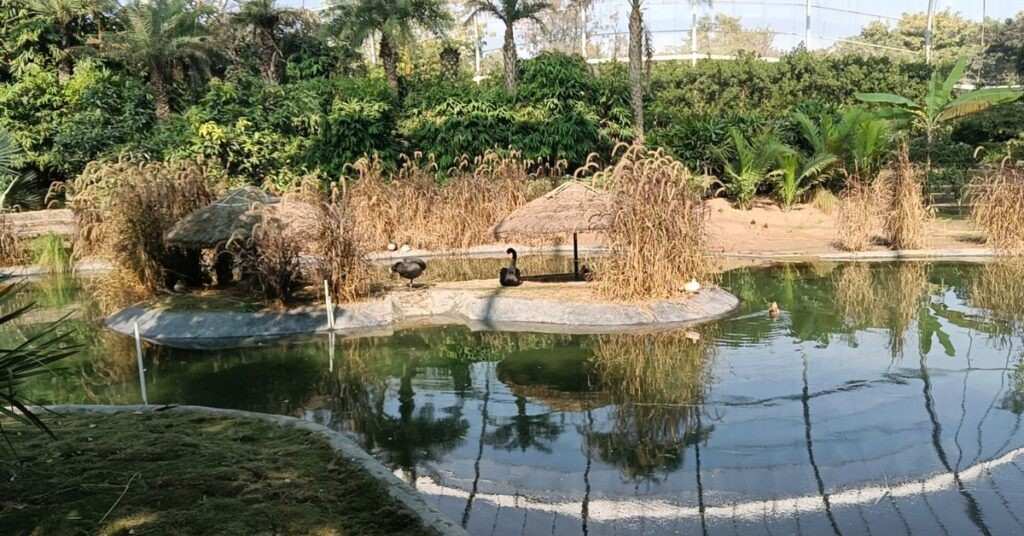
(186, 473)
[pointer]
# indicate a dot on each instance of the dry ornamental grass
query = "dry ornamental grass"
(656, 239)
(125, 209)
(907, 216)
(998, 200)
(412, 207)
(857, 218)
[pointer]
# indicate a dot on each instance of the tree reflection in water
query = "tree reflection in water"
(658, 382)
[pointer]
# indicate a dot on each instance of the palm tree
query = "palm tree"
(10, 153)
(264, 19)
(636, 67)
(393, 20)
(940, 106)
(858, 139)
(67, 18)
(639, 43)
(17, 188)
(797, 174)
(162, 37)
(749, 164)
(510, 12)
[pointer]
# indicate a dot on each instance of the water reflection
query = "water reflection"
(886, 398)
(657, 384)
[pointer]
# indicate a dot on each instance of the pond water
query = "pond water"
(886, 399)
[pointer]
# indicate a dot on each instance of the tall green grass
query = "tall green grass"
(51, 253)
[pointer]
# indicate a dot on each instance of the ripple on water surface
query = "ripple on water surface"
(886, 398)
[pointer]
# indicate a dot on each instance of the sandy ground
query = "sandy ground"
(767, 229)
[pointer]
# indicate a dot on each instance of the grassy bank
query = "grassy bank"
(186, 473)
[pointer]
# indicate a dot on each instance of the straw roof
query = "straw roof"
(572, 207)
(231, 216)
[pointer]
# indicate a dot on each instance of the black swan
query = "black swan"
(510, 276)
(409, 269)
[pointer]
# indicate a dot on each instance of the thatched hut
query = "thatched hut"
(231, 217)
(572, 208)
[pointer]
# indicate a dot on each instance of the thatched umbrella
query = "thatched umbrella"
(572, 208)
(214, 225)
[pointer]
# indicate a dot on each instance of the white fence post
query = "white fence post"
(142, 370)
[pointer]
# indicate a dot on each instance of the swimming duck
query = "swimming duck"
(509, 275)
(774, 311)
(691, 286)
(409, 269)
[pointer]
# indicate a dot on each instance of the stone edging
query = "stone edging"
(482, 309)
(340, 442)
(887, 254)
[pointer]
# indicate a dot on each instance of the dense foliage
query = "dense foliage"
(272, 94)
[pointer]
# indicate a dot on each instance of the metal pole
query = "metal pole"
(583, 29)
(329, 305)
(476, 47)
(693, 33)
(575, 258)
(928, 32)
(807, 24)
(984, 11)
(142, 370)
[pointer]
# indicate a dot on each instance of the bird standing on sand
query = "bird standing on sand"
(409, 269)
(509, 275)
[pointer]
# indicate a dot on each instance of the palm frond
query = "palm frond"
(976, 101)
(33, 356)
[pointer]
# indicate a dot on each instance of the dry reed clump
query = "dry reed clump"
(334, 242)
(906, 215)
(656, 238)
(116, 289)
(858, 218)
(412, 207)
(125, 208)
(825, 201)
(998, 208)
(13, 250)
(272, 256)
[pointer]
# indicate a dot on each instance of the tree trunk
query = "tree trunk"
(636, 68)
(511, 59)
(271, 70)
(389, 57)
(159, 89)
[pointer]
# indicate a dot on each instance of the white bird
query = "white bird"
(691, 286)
(406, 248)
(392, 246)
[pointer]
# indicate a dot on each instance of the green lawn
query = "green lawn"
(185, 473)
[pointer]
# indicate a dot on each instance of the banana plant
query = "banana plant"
(797, 174)
(749, 164)
(940, 105)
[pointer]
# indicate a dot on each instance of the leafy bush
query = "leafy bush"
(102, 111)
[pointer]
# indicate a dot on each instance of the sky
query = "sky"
(670, 19)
